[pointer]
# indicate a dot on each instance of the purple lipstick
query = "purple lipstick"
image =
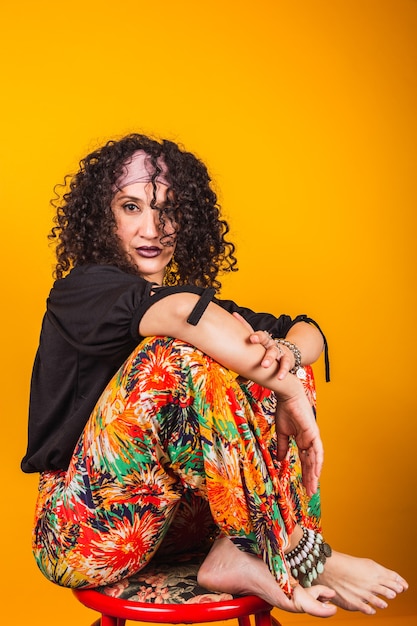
(148, 252)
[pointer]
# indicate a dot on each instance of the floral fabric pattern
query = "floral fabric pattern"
(162, 582)
(173, 435)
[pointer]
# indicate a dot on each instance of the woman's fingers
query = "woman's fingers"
(314, 600)
(311, 466)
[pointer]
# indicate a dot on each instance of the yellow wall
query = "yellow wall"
(306, 115)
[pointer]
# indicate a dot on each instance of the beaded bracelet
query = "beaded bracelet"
(308, 557)
(295, 350)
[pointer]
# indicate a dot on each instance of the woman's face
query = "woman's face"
(139, 228)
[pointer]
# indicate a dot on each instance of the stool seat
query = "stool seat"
(169, 593)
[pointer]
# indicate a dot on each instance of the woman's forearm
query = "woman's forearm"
(219, 335)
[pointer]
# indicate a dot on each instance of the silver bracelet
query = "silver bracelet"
(295, 350)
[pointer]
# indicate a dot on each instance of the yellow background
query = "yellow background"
(305, 113)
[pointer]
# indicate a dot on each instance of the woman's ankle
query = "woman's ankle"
(307, 560)
(294, 539)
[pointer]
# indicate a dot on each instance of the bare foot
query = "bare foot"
(230, 570)
(359, 583)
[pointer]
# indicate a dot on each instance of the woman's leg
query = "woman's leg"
(105, 517)
(174, 421)
(357, 584)
(305, 509)
(171, 420)
(237, 571)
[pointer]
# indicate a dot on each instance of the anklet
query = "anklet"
(308, 557)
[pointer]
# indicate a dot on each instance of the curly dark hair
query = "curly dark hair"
(85, 227)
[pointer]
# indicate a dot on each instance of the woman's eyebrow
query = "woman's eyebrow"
(159, 205)
(125, 197)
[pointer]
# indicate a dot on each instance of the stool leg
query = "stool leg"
(244, 620)
(264, 619)
(108, 620)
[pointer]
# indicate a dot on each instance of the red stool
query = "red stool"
(168, 593)
(115, 612)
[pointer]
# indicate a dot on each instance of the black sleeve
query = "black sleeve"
(97, 309)
(92, 309)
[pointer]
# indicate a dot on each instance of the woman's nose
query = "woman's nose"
(149, 226)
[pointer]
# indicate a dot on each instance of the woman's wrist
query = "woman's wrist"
(288, 388)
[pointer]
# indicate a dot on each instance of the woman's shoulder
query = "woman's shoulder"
(97, 277)
(87, 285)
(92, 273)
(93, 297)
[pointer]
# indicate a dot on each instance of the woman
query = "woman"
(149, 394)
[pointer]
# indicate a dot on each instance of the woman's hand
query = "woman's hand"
(294, 415)
(313, 600)
(295, 418)
(273, 351)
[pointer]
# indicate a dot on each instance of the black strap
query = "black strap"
(202, 304)
(309, 320)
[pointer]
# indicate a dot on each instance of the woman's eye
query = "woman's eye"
(130, 207)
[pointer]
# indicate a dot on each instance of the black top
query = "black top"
(89, 329)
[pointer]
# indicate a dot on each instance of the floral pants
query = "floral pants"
(175, 442)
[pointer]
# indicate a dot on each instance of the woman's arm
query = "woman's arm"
(217, 333)
(306, 337)
(226, 340)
